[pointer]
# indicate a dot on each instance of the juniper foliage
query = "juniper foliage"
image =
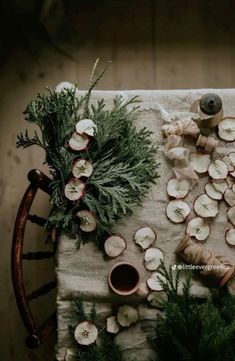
(194, 329)
(123, 157)
(106, 349)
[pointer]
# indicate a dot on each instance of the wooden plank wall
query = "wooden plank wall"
(152, 44)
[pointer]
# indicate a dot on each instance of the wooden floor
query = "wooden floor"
(152, 44)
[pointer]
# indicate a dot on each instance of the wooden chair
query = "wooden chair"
(36, 334)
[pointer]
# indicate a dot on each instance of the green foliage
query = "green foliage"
(193, 329)
(104, 350)
(123, 158)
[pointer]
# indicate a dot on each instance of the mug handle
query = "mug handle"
(143, 290)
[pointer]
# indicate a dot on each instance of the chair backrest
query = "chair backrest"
(36, 334)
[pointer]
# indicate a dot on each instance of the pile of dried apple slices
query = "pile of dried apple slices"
(82, 169)
(153, 257)
(221, 186)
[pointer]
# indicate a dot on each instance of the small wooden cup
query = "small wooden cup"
(124, 279)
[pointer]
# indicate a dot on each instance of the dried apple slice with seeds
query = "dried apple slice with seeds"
(88, 220)
(230, 236)
(82, 168)
(177, 211)
(206, 207)
(153, 258)
(74, 189)
(114, 246)
(85, 333)
(200, 162)
(178, 188)
(218, 169)
(198, 228)
(145, 237)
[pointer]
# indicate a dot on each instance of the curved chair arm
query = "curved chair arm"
(37, 335)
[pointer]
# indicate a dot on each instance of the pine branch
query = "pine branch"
(196, 329)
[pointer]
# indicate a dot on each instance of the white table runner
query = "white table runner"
(84, 272)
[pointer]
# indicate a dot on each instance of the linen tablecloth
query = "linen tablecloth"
(84, 272)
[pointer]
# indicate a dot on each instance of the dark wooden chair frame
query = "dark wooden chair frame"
(36, 334)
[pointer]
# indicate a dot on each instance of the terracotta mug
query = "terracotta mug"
(124, 279)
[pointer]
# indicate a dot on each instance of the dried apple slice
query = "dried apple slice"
(220, 185)
(88, 220)
(71, 353)
(112, 326)
(127, 315)
(82, 168)
(228, 162)
(78, 142)
(156, 298)
(218, 169)
(145, 237)
(200, 162)
(226, 129)
(231, 215)
(229, 197)
(85, 333)
(178, 188)
(230, 236)
(213, 192)
(232, 158)
(198, 228)
(74, 189)
(206, 207)
(177, 211)
(86, 126)
(154, 282)
(230, 181)
(153, 258)
(114, 246)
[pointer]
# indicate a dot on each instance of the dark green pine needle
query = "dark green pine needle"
(194, 329)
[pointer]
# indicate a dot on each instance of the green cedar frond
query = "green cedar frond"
(25, 141)
(104, 350)
(123, 158)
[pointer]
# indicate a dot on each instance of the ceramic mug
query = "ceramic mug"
(124, 279)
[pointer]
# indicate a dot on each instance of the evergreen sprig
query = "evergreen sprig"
(194, 329)
(104, 350)
(123, 157)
